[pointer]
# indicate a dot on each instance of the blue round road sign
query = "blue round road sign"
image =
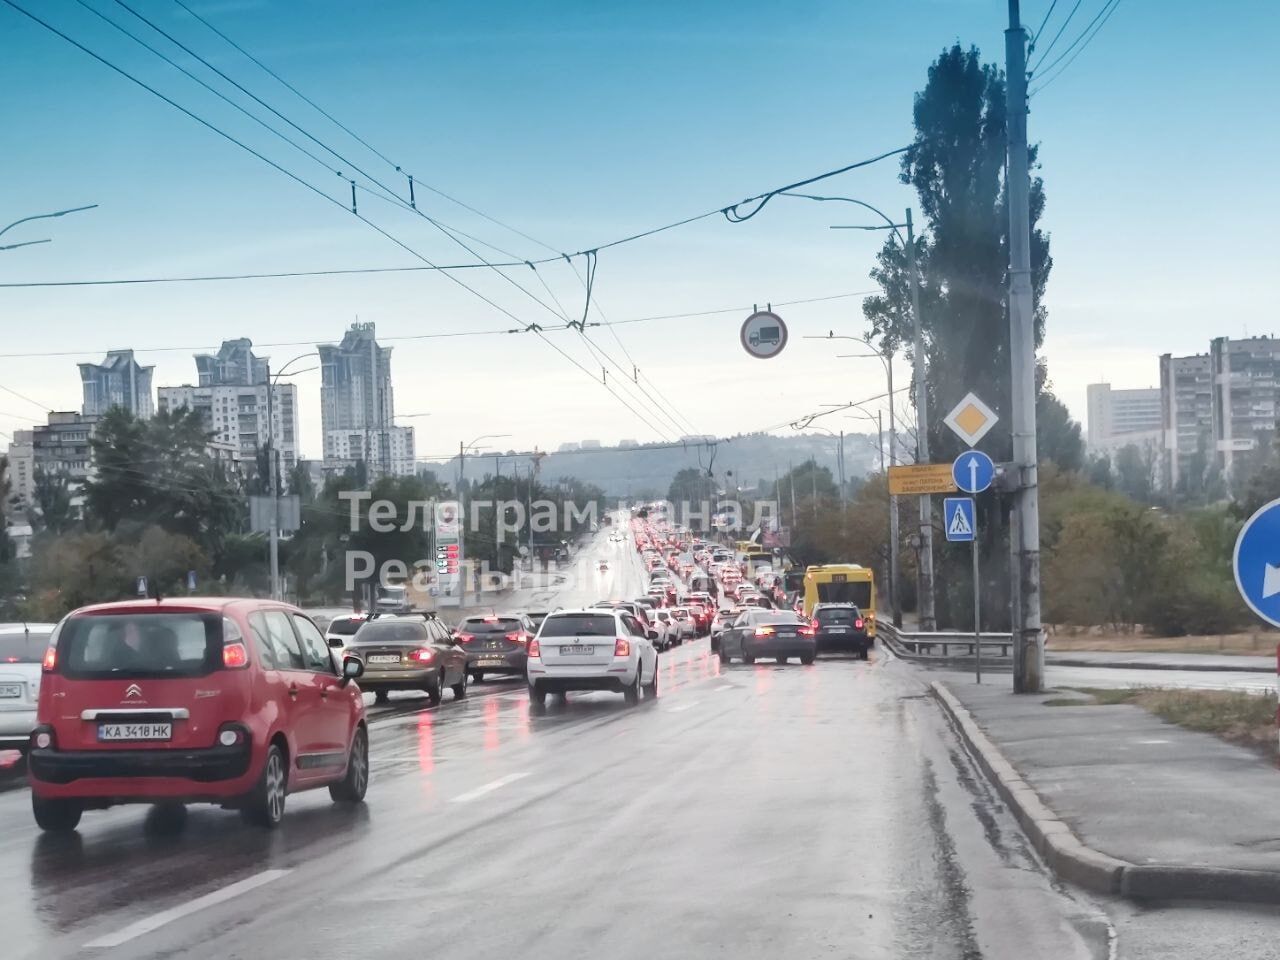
(1256, 562)
(973, 471)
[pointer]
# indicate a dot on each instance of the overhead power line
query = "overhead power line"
(1101, 21)
(1058, 35)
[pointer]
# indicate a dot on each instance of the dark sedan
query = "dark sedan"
(496, 644)
(841, 626)
(768, 633)
(409, 653)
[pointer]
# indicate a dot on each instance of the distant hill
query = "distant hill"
(753, 458)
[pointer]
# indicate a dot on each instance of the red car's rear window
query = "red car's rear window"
(110, 646)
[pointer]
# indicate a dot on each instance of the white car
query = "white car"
(341, 629)
(594, 649)
(22, 648)
(670, 633)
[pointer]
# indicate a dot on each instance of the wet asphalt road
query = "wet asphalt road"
(764, 811)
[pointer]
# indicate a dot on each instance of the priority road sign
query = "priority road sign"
(971, 419)
(958, 519)
(973, 471)
(1256, 562)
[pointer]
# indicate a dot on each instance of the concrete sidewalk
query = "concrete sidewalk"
(1161, 661)
(1159, 812)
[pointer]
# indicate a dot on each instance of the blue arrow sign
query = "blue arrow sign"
(958, 519)
(973, 471)
(1257, 562)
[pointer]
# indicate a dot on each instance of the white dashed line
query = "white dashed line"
(727, 686)
(684, 706)
(488, 788)
(158, 920)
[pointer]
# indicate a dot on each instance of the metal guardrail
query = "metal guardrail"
(944, 644)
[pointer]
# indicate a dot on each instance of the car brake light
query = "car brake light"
(518, 637)
(424, 655)
(234, 655)
(491, 619)
(764, 631)
(463, 637)
(622, 648)
(808, 631)
(50, 659)
(859, 624)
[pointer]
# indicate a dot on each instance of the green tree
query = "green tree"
(299, 483)
(160, 470)
(1136, 471)
(51, 491)
(1057, 435)
(689, 485)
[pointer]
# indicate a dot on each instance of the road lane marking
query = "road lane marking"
(684, 706)
(727, 686)
(158, 920)
(488, 788)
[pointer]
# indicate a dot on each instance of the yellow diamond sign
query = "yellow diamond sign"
(971, 419)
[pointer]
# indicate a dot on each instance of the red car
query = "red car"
(221, 700)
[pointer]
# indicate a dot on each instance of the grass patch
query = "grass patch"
(1248, 719)
(1258, 643)
(1066, 702)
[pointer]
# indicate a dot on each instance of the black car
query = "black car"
(496, 644)
(841, 626)
(780, 634)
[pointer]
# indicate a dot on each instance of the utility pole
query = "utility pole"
(1028, 651)
(843, 504)
(274, 483)
(928, 621)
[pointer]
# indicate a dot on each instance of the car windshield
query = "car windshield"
(579, 624)
(345, 626)
(23, 647)
(840, 615)
(140, 645)
(392, 631)
(490, 625)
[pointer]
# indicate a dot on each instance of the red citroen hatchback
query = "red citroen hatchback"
(221, 700)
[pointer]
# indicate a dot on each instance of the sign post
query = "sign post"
(973, 473)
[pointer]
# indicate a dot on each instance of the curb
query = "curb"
(1142, 665)
(1072, 860)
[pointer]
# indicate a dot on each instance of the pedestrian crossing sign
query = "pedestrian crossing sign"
(958, 519)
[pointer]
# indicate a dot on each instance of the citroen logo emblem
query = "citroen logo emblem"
(132, 690)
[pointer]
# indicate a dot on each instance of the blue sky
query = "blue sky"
(581, 122)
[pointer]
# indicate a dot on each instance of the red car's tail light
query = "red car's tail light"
(808, 631)
(859, 624)
(535, 648)
(234, 655)
(622, 648)
(764, 631)
(50, 659)
(424, 655)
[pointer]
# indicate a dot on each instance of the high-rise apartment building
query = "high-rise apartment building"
(1120, 417)
(234, 364)
(1246, 387)
(357, 408)
(1186, 412)
(22, 466)
(62, 445)
(232, 397)
(119, 381)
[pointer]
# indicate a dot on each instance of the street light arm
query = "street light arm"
(25, 243)
(862, 203)
(45, 216)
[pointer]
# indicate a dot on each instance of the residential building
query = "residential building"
(238, 417)
(234, 364)
(1246, 386)
(344, 448)
(357, 407)
(1118, 418)
(62, 446)
(119, 381)
(1186, 413)
(22, 466)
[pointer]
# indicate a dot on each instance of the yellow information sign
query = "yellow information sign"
(921, 478)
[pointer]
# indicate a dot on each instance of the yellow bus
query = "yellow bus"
(842, 583)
